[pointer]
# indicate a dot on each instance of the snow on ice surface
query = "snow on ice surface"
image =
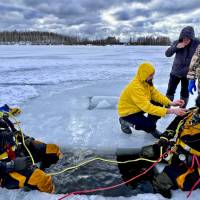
(76, 89)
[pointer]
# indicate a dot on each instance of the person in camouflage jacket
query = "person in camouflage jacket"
(194, 71)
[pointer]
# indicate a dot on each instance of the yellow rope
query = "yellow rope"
(178, 127)
(85, 162)
(23, 141)
(104, 160)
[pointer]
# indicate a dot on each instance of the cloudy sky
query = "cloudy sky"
(100, 18)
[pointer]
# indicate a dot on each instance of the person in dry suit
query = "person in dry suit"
(194, 72)
(16, 167)
(140, 97)
(182, 170)
(183, 48)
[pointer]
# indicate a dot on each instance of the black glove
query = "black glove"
(28, 140)
(19, 164)
(22, 163)
(163, 141)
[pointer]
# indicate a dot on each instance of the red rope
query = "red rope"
(194, 157)
(193, 187)
(117, 185)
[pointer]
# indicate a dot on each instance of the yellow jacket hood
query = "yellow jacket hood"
(144, 71)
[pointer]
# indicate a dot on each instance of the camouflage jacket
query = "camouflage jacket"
(194, 68)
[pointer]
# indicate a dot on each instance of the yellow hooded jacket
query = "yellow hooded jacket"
(138, 93)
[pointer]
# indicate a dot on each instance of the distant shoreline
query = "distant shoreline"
(49, 38)
(76, 45)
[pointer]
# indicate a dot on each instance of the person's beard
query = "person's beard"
(150, 82)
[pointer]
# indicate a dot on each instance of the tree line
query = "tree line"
(50, 38)
(151, 40)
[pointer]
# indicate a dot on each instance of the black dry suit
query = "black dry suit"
(183, 169)
(181, 62)
(16, 167)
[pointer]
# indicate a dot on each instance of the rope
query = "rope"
(112, 162)
(117, 185)
(85, 162)
(194, 157)
(178, 127)
(193, 187)
(103, 160)
(23, 141)
(182, 122)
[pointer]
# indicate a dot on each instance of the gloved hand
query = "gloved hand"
(164, 142)
(28, 140)
(15, 111)
(192, 86)
(19, 164)
(22, 163)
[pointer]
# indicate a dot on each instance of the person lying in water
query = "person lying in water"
(16, 167)
(182, 168)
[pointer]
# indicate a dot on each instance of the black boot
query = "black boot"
(156, 133)
(125, 126)
(162, 184)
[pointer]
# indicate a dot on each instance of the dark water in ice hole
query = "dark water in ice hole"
(99, 174)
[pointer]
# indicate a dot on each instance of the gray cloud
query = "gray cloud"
(100, 18)
(174, 7)
(130, 14)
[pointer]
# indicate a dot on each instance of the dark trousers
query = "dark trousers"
(172, 85)
(142, 122)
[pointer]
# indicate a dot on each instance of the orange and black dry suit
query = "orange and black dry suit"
(11, 147)
(184, 166)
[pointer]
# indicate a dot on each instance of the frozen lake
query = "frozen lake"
(69, 94)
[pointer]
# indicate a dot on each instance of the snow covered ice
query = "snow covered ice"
(69, 94)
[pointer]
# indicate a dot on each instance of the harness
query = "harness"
(188, 148)
(186, 128)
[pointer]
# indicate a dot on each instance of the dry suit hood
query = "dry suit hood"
(144, 71)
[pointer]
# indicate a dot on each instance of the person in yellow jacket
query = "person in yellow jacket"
(140, 97)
